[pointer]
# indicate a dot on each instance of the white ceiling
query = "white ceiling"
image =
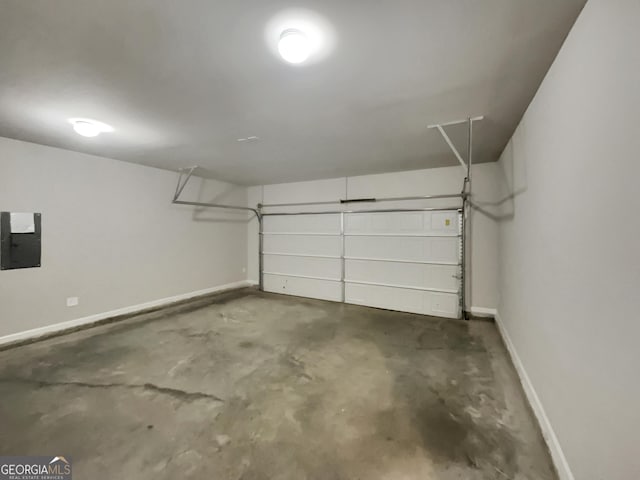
(181, 81)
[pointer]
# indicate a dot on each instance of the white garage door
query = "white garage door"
(302, 255)
(406, 261)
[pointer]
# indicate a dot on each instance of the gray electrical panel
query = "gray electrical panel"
(20, 240)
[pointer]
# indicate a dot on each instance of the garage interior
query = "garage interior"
(247, 240)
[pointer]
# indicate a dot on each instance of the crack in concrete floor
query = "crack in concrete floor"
(173, 392)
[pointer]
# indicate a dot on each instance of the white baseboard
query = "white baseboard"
(557, 455)
(484, 311)
(58, 327)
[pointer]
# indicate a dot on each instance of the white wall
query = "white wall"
(483, 251)
(569, 277)
(111, 236)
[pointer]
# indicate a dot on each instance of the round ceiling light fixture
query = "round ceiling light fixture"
(299, 37)
(294, 46)
(89, 128)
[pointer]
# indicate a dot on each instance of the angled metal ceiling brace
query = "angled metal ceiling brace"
(440, 127)
(451, 145)
(466, 191)
(180, 187)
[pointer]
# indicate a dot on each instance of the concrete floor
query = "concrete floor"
(247, 385)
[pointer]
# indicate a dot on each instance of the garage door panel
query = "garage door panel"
(445, 222)
(316, 224)
(305, 266)
(419, 249)
(406, 261)
(437, 277)
(414, 301)
(303, 244)
(296, 247)
(303, 287)
(444, 249)
(403, 223)
(442, 304)
(384, 297)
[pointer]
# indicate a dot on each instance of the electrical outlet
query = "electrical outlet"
(244, 270)
(72, 301)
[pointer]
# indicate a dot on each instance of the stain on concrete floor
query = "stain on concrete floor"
(248, 385)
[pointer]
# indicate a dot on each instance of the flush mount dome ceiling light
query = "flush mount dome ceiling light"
(294, 46)
(89, 128)
(299, 37)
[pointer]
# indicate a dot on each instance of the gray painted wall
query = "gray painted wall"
(111, 236)
(569, 277)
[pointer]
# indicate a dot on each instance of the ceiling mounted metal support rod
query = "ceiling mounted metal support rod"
(451, 145)
(367, 200)
(260, 249)
(180, 187)
(469, 152)
(466, 192)
(327, 212)
(215, 205)
(440, 127)
(456, 122)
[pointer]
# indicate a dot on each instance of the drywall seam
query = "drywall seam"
(70, 324)
(557, 455)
